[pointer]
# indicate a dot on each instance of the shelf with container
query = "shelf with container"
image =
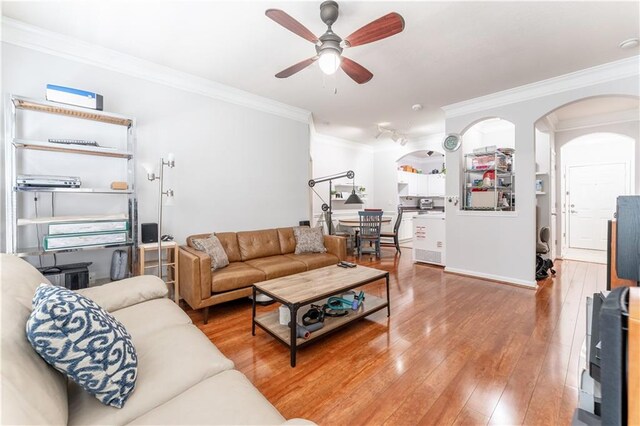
(18, 145)
(489, 181)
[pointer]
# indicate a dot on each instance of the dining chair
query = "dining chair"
(369, 232)
(386, 236)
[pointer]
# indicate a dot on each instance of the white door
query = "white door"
(591, 201)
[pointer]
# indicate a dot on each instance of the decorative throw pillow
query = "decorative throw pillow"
(80, 339)
(213, 247)
(309, 240)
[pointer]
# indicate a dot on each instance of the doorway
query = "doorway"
(596, 169)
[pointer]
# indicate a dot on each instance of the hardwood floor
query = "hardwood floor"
(456, 350)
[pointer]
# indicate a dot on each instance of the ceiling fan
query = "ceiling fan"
(329, 45)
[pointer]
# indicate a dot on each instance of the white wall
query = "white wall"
(329, 156)
(502, 245)
(237, 168)
(543, 160)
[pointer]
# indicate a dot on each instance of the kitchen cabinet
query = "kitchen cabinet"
(407, 183)
(423, 185)
(436, 185)
(405, 232)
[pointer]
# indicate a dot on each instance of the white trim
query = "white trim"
(597, 120)
(31, 37)
(623, 68)
(532, 284)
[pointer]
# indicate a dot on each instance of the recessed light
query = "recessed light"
(416, 107)
(629, 43)
(383, 123)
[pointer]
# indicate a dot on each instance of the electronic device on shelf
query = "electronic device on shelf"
(47, 181)
(167, 237)
(73, 276)
(426, 203)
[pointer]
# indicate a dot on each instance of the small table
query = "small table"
(295, 291)
(171, 263)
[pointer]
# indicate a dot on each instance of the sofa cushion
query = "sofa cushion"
(309, 240)
(145, 318)
(170, 361)
(229, 241)
(24, 376)
(277, 266)
(213, 247)
(236, 275)
(228, 398)
(82, 340)
(123, 293)
(287, 240)
(256, 244)
(315, 260)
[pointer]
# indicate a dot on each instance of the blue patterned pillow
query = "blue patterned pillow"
(80, 339)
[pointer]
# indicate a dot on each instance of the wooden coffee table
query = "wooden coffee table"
(295, 291)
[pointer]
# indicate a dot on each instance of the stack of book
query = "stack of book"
(70, 235)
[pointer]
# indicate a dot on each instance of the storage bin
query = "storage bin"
(484, 199)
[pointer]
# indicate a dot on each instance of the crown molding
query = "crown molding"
(35, 38)
(597, 120)
(617, 70)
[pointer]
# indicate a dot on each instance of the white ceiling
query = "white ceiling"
(449, 51)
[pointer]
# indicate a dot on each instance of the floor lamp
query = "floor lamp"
(328, 208)
(170, 162)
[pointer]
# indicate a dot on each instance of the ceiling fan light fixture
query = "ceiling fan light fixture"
(329, 61)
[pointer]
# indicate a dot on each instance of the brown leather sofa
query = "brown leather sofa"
(254, 256)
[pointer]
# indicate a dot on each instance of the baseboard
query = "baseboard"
(531, 285)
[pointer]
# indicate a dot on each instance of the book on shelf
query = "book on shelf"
(58, 242)
(84, 227)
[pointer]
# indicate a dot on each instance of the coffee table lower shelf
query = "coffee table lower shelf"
(271, 324)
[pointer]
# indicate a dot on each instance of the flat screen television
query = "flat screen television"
(628, 237)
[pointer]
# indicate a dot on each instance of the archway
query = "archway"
(595, 169)
(488, 166)
(421, 188)
(585, 129)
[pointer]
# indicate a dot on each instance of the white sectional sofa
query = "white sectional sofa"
(182, 377)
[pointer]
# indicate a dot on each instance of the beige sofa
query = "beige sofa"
(254, 256)
(182, 377)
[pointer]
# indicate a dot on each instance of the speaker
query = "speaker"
(149, 233)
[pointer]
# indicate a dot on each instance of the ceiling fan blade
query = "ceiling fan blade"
(384, 27)
(297, 67)
(291, 24)
(357, 72)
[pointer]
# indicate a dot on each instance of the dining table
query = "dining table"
(354, 223)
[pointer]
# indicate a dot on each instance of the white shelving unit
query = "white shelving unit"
(15, 146)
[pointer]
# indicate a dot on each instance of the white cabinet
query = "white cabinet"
(405, 232)
(436, 185)
(423, 185)
(407, 183)
(420, 185)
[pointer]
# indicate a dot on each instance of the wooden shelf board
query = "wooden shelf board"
(75, 190)
(64, 219)
(154, 264)
(73, 149)
(283, 333)
(71, 111)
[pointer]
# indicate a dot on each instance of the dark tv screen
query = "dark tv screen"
(628, 237)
